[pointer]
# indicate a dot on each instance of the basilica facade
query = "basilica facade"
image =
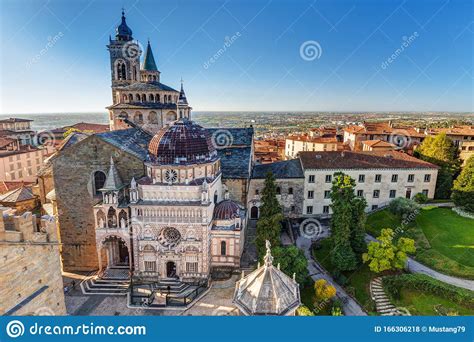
(177, 220)
(156, 196)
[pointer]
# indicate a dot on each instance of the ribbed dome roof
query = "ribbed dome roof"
(226, 210)
(183, 143)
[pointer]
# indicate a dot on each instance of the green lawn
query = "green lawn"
(444, 240)
(357, 281)
(425, 304)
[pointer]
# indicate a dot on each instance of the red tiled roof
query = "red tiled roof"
(85, 126)
(12, 120)
(6, 141)
(383, 128)
(377, 143)
(456, 130)
(362, 160)
(6, 186)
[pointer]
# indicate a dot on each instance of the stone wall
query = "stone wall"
(292, 204)
(30, 268)
(73, 171)
(238, 189)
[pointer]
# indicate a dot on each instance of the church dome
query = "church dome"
(182, 143)
(226, 210)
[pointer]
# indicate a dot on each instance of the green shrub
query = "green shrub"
(403, 207)
(420, 198)
(303, 310)
(423, 283)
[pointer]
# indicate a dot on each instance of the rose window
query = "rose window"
(169, 237)
(171, 176)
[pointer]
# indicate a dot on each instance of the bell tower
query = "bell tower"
(124, 57)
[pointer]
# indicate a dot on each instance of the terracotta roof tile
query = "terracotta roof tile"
(362, 160)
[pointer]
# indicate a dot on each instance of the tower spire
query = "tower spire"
(149, 63)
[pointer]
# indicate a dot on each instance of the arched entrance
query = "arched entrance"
(254, 212)
(171, 269)
(114, 253)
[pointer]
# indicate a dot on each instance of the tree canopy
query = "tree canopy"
(463, 189)
(292, 261)
(269, 222)
(347, 223)
(385, 255)
(440, 150)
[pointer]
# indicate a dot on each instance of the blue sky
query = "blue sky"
(264, 68)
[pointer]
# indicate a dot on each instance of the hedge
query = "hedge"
(393, 284)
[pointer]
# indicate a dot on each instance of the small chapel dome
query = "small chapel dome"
(226, 210)
(183, 143)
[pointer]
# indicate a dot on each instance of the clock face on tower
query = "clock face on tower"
(171, 176)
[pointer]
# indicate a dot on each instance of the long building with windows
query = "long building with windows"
(380, 177)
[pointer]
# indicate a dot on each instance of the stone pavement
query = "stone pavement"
(217, 302)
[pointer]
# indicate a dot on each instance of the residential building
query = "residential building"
(21, 163)
(403, 137)
(380, 177)
(301, 143)
(17, 129)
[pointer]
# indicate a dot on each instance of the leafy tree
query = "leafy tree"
(292, 261)
(359, 218)
(323, 291)
(268, 228)
(71, 130)
(440, 150)
(463, 189)
(303, 310)
(403, 207)
(268, 225)
(270, 205)
(336, 311)
(384, 255)
(347, 223)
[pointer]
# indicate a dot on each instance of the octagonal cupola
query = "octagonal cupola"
(183, 143)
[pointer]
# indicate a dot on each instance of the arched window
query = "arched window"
(124, 98)
(153, 117)
(278, 190)
(157, 97)
(124, 73)
(134, 72)
(99, 181)
(137, 98)
(215, 197)
(290, 191)
(223, 248)
(143, 98)
(138, 117)
(130, 98)
(151, 98)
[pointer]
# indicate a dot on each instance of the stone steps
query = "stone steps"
(383, 304)
(101, 286)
